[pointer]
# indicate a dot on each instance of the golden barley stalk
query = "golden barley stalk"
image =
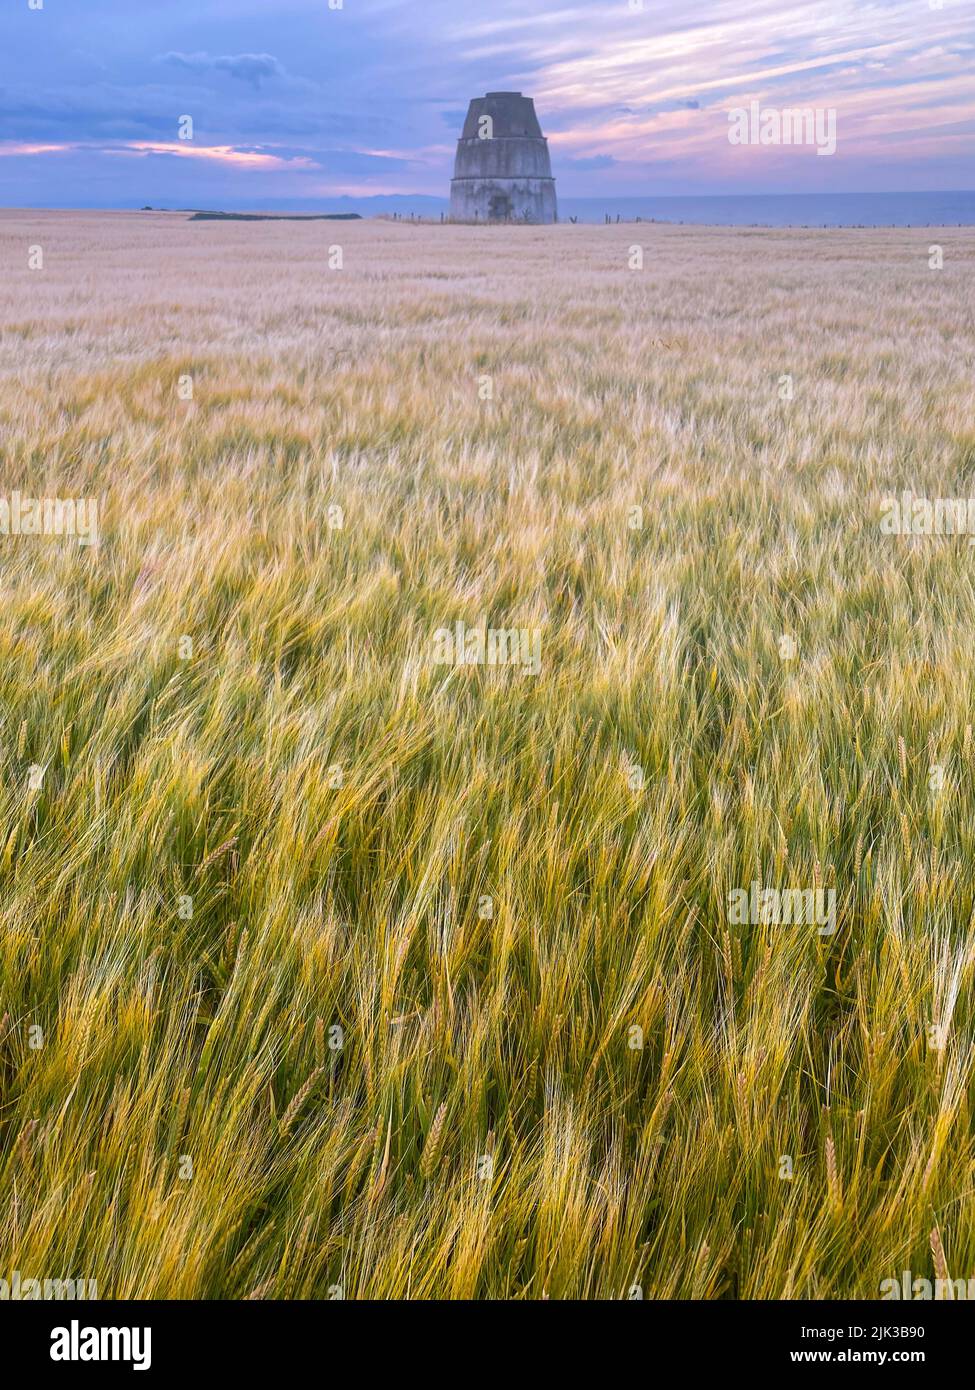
(379, 1183)
(218, 852)
(181, 1109)
(431, 1149)
(832, 1175)
(726, 953)
(23, 1140)
(289, 1116)
(260, 1291)
(659, 1117)
(940, 1263)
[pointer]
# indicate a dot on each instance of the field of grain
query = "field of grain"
(329, 969)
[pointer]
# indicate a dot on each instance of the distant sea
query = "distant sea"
(785, 209)
(730, 210)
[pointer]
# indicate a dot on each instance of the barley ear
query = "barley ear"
(431, 1149)
(291, 1114)
(832, 1176)
(940, 1263)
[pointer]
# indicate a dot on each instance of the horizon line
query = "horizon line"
(283, 203)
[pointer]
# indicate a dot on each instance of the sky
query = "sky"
(295, 103)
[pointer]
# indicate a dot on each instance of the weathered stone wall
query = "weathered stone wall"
(503, 200)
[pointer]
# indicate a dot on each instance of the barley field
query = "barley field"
(331, 968)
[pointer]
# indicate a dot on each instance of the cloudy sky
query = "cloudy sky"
(296, 102)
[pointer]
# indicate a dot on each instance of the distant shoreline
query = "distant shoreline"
(269, 216)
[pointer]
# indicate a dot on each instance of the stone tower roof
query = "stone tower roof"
(513, 116)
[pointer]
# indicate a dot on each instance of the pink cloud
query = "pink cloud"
(221, 154)
(16, 147)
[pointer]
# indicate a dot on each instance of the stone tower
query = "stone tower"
(502, 172)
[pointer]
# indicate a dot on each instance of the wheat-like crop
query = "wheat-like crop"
(256, 838)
